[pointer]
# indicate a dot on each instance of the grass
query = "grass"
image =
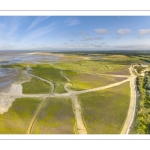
(56, 117)
(105, 111)
(19, 115)
(52, 74)
(36, 86)
(95, 66)
(87, 81)
(17, 65)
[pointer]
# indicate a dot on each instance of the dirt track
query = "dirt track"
(131, 111)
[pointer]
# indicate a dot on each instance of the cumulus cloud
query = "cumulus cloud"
(72, 22)
(144, 31)
(124, 31)
(101, 31)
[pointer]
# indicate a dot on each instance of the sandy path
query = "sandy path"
(34, 117)
(67, 84)
(132, 106)
(102, 88)
(113, 75)
(80, 125)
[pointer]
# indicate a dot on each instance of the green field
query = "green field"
(95, 66)
(84, 81)
(18, 117)
(36, 86)
(105, 111)
(55, 117)
(52, 74)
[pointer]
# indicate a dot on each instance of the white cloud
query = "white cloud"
(37, 21)
(144, 31)
(39, 32)
(101, 31)
(124, 31)
(72, 22)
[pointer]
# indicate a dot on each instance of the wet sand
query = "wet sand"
(7, 77)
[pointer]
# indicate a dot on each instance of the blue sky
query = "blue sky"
(75, 33)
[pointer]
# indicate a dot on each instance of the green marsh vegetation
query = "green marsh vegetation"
(52, 74)
(19, 115)
(82, 81)
(21, 66)
(105, 111)
(95, 66)
(55, 117)
(36, 86)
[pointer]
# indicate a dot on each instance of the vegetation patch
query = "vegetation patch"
(105, 111)
(141, 123)
(94, 66)
(52, 74)
(55, 117)
(36, 86)
(18, 117)
(17, 65)
(87, 81)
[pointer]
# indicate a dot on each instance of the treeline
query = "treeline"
(141, 124)
(139, 69)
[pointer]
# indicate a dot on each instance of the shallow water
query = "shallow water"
(14, 57)
(8, 75)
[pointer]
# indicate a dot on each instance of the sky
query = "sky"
(74, 33)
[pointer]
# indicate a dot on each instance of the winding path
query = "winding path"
(51, 83)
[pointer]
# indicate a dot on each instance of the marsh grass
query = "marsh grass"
(105, 111)
(82, 81)
(36, 86)
(52, 74)
(56, 117)
(19, 115)
(94, 66)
